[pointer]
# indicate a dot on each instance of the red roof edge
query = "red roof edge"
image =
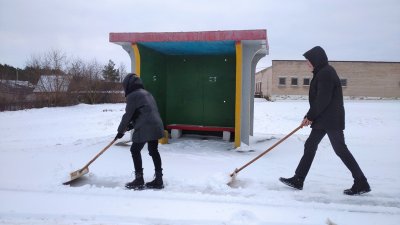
(233, 35)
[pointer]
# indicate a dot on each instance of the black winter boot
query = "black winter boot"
(294, 182)
(359, 187)
(157, 183)
(137, 183)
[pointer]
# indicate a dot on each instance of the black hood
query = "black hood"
(131, 83)
(317, 57)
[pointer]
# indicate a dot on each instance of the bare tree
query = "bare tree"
(87, 80)
(34, 67)
(76, 68)
(94, 83)
(53, 83)
(64, 81)
(56, 61)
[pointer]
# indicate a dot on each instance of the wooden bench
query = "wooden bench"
(176, 130)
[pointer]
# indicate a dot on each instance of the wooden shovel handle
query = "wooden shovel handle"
(98, 154)
(266, 151)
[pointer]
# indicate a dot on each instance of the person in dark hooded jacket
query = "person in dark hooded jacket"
(141, 115)
(326, 116)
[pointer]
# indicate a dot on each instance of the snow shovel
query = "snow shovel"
(79, 173)
(234, 174)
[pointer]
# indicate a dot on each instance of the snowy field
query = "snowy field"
(40, 147)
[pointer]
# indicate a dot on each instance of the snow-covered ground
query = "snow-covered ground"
(40, 147)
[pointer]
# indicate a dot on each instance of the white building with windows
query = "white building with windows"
(359, 79)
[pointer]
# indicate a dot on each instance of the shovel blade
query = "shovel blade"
(77, 174)
(233, 175)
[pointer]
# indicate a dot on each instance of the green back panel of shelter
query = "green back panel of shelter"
(153, 72)
(194, 90)
(201, 90)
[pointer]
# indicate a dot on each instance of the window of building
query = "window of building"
(294, 81)
(258, 87)
(343, 82)
(306, 81)
(282, 81)
(258, 92)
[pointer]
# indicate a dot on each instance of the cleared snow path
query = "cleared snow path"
(40, 147)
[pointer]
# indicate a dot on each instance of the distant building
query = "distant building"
(359, 79)
(12, 90)
(17, 83)
(52, 83)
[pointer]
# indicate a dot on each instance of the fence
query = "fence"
(71, 99)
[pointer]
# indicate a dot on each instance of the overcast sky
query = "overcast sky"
(348, 30)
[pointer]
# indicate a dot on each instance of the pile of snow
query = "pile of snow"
(40, 147)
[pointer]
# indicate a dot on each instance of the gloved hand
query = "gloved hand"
(119, 135)
(129, 127)
(306, 122)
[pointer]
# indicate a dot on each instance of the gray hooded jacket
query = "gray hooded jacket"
(141, 110)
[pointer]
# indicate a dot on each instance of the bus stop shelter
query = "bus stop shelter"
(201, 81)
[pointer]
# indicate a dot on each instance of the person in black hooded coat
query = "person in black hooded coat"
(141, 115)
(326, 116)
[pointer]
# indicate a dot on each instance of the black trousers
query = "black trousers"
(152, 146)
(336, 138)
